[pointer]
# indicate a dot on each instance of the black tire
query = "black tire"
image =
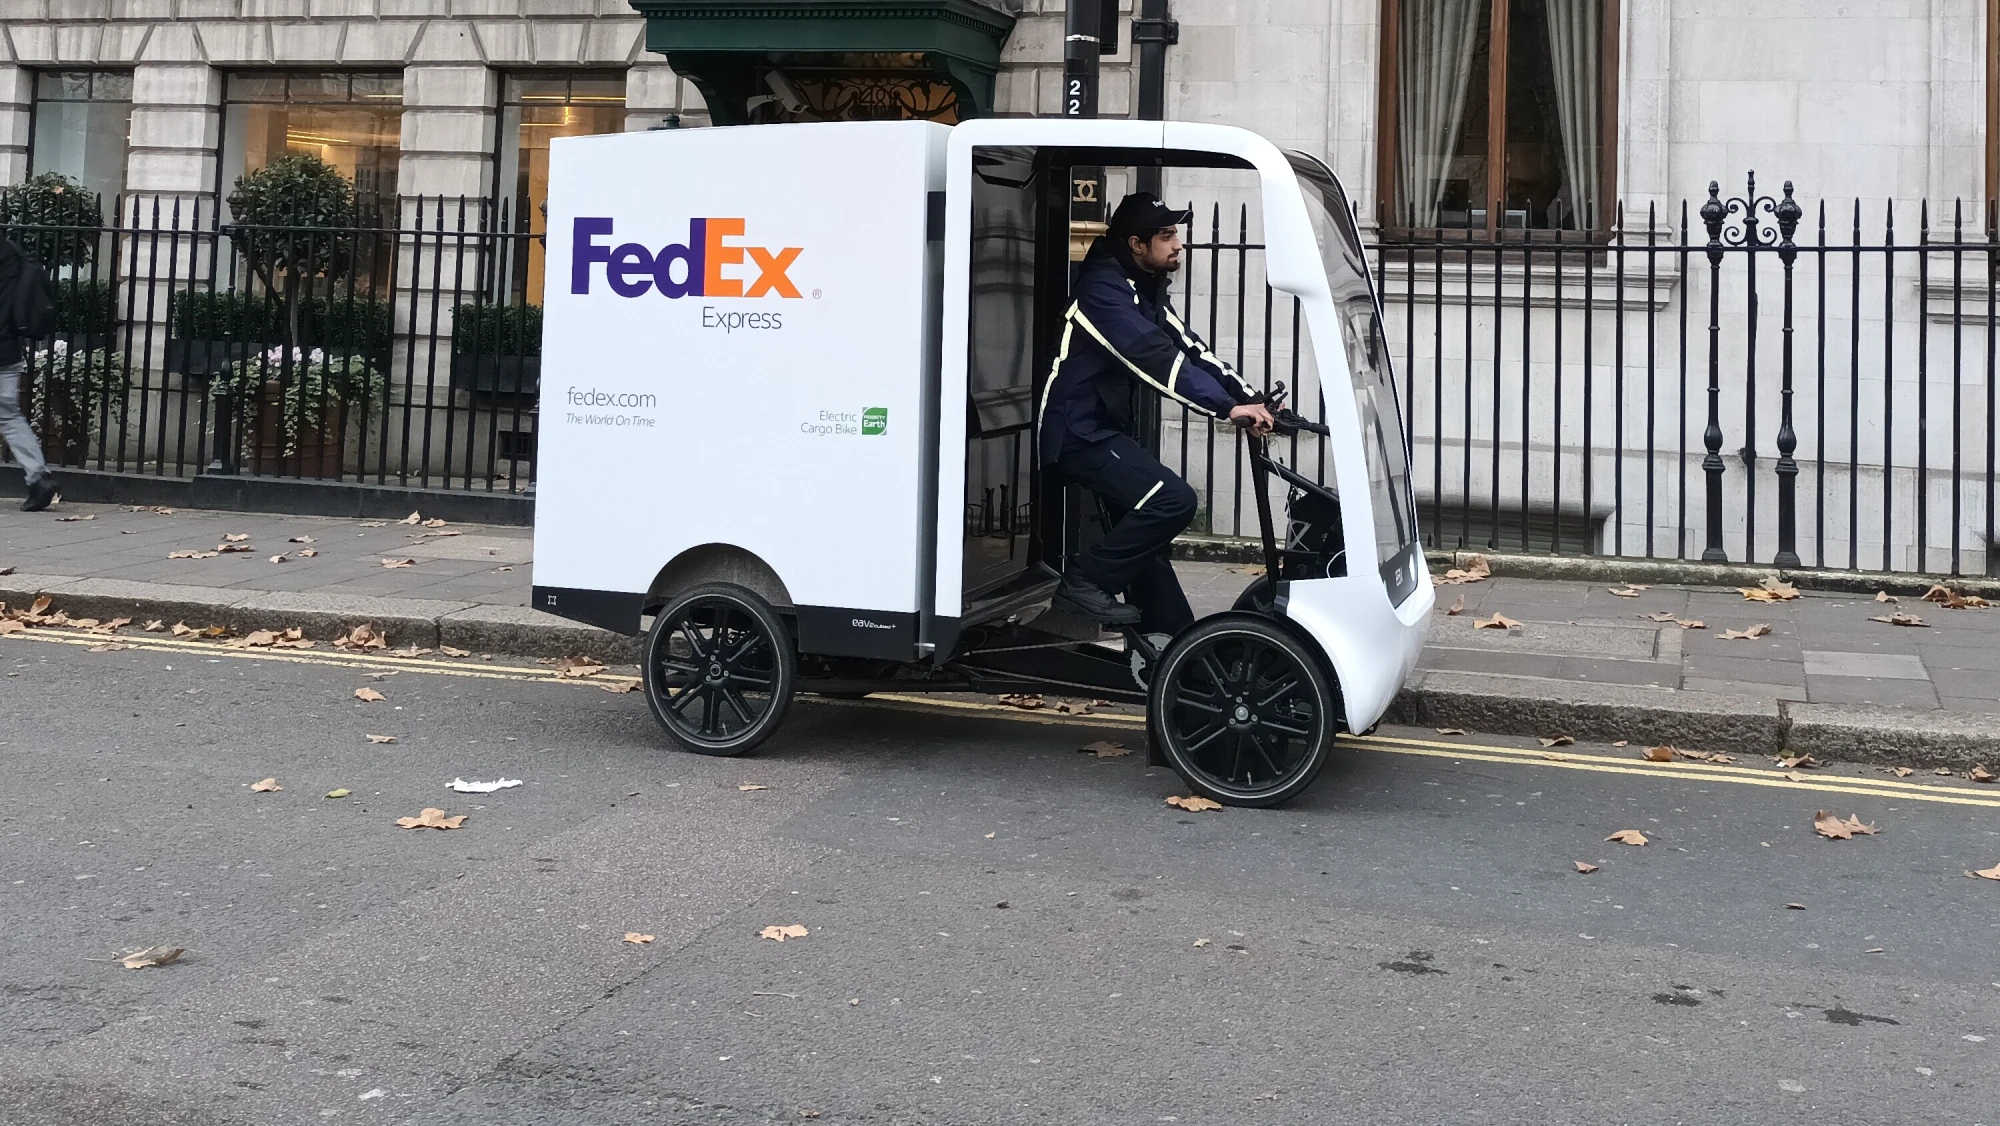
(1260, 597)
(720, 666)
(1243, 710)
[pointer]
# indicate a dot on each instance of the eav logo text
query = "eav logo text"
(632, 269)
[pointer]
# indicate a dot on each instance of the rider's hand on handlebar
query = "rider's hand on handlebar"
(1255, 416)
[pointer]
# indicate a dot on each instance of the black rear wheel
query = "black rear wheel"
(719, 669)
(1243, 710)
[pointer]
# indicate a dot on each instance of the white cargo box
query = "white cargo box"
(739, 325)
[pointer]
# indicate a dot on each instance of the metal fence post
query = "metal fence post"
(1788, 214)
(1712, 214)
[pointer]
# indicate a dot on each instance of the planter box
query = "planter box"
(320, 450)
(496, 375)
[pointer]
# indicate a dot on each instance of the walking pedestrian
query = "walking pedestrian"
(27, 314)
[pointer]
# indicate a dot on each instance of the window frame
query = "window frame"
(36, 100)
(229, 105)
(1496, 119)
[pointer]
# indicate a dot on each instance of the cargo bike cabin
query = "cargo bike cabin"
(791, 385)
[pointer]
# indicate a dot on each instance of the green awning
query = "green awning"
(833, 59)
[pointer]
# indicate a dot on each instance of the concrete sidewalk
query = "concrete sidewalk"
(1582, 661)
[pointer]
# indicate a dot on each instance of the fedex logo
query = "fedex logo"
(632, 269)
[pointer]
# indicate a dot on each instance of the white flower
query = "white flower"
(59, 347)
(318, 356)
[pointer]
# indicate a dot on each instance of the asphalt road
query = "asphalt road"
(1002, 930)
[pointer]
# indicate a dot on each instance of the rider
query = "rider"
(1121, 327)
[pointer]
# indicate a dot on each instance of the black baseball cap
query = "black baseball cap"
(1142, 213)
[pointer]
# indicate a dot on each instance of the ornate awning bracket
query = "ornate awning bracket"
(818, 60)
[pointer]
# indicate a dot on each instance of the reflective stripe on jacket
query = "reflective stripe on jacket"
(1119, 329)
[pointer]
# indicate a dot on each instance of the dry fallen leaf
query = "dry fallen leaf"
(636, 939)
(192, 554)
(576, 668)
(1194, 804)
(1456, 608)
(380, 738)
(1992, 873)
(39, 607)
(277, 559)
(361, 637)
(1798, 762)
(1756, 631)
(1832, 827)
(9, 625)
(1658, 616)
(392, 564)
(233, 548)
(369, 694)
(1901, 771)
(1552, 756)
(1705, 756)
(1980, 774)
(434, 522)
(1585, 869)
(150, 956)
(154, 626)
(374, 524)
(1952, 600)
(1902, 620)
(1885, 596)
(450, 652)
(413, 518)
(1628, 836)
(268, 785)
(1625, 592)
(308, 553)
(1942, 772)
(1028, 701)
(339, 793)
(1476, 570)
(1557, 740)
(300, 539)
(1451, 731)
(780, 934)
(990, 836)
(1622, 743)
(748, 786)
(431, 818)
(1795, 906)
(1770, 590)
(1201, 942)
(72, 519)
(1659, 754)
(181, 629)
(106, 647)
(235, 537)
(1686, 623)
(255, 639)
(621, 687)
(1106, 748)
(1497, 621)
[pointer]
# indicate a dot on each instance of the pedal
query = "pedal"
(1064, 620)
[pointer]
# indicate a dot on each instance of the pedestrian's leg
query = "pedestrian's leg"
(14, 428)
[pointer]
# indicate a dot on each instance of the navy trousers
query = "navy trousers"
(1148, 506)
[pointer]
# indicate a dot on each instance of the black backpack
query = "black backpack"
(29, 311)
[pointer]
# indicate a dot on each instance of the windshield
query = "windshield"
(1368, 366)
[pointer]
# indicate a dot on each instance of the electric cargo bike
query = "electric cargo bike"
(789, 378)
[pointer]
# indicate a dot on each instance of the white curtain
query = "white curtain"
(1574, 39)
(1433, 73)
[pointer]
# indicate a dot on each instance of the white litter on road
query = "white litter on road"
(464, 787)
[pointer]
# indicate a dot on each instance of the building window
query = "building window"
(82, 122)
(534, 109)
(353, 121)
(1498, 116)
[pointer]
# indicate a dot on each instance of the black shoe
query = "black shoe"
(1096, 602)
(40, 493)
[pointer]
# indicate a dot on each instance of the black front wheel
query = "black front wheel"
(1243, 710)
(719, 670)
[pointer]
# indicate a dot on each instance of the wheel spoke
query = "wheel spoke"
(1259, 745)
(693, 639)
(680, 701)
(1290, 683)
(1216, 672)
(1211, 734)
(736, 704)
(749, 644)
(1184, 700)
(711, 715)
(1295, 732)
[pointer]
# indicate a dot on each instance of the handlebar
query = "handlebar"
(1287, 421)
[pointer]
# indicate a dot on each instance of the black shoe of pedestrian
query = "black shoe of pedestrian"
(40, 494)
(1096, 602)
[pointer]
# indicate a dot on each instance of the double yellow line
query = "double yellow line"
(1692, 772)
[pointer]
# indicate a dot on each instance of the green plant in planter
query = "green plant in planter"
(70, 384)
(310, 379)
(294, 224)
(497, 330)
(86, 307)
(62, 216)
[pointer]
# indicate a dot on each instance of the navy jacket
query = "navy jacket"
(1120, 328)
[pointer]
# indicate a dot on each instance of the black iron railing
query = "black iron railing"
(1571, 392)
(409, 357)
